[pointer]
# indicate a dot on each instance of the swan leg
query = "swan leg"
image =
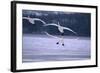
(57, 43)
(62, 39)
(62, 44)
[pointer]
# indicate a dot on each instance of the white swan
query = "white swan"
(32, 20)
(61, 29)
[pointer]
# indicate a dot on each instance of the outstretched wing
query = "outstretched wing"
(66, 28)
(37, 19)
(29, 19)
(51, 24)
(32, 20)
(51, 35)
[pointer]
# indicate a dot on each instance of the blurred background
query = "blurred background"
(79, 22)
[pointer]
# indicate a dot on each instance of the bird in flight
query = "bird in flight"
(61, 30)
(32, 20)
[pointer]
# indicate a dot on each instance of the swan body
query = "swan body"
(61, 29)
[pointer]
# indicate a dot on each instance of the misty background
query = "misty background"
(79, 22)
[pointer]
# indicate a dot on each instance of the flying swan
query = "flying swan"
(61, 30)
(32, 20)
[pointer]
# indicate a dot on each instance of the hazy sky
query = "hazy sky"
(79, 22)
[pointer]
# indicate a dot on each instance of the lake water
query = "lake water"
(41, 48)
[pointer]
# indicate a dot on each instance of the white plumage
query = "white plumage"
(61, 28)
(32, 20)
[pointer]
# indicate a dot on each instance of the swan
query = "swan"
(61, 29)
(32, 20)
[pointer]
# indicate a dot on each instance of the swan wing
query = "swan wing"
(66, 28)
(37, 19)
(29, 19)
(51, 35)
(51, 24)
